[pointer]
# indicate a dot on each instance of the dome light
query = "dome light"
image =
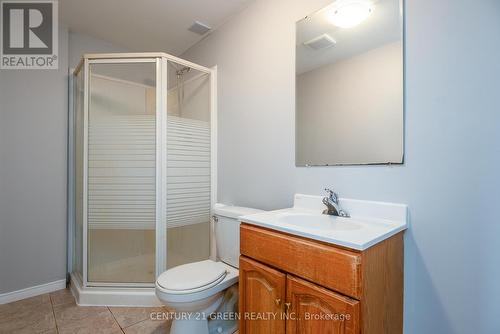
(349, 13)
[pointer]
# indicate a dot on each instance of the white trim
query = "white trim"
(213, 157)
(161, 166)
(70, 190)
(122, 60)
(120, 55)
(33, 291)
(112, 296)
(114, 56)
(86, 102)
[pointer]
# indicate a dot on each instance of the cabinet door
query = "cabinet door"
(313, 309)
(262, 294)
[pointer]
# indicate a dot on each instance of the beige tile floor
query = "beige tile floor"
(57, 312)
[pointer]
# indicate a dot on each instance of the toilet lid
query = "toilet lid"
(192, 276)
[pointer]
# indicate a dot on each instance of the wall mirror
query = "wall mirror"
(349, 84)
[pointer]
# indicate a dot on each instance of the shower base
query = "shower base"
(112, 296)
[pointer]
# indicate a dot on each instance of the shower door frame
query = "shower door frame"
(161, 62)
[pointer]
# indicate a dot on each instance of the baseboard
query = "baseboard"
(33, 291)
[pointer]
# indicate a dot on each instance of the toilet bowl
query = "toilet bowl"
(195, 290)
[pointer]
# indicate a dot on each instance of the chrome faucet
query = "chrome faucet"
(332, 205)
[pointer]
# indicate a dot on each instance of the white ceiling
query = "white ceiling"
(147, 25)
(381, 27)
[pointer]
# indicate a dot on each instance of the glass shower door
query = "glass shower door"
(121, 212)
(188, 165)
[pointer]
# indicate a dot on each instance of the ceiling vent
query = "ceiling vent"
(321, 42)
(199, 28)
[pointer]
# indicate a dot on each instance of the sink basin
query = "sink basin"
(318, 221)
(370, 222)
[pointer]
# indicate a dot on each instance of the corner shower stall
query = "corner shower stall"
(142, 173)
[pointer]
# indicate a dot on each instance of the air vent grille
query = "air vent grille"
(199, 28)
(321, 42)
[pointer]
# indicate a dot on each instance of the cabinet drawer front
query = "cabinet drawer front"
(329, 266)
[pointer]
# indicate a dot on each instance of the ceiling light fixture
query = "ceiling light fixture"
(349, 13)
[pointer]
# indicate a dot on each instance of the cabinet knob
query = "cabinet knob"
(278, 301)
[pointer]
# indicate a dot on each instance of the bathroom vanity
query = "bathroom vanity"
(342, 275)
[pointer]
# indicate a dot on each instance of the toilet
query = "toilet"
(196, 290)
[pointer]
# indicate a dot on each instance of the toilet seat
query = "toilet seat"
(192, 277)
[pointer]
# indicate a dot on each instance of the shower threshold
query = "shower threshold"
(112, 296)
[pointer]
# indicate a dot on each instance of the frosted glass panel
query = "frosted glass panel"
(121, 173)
(188, 165)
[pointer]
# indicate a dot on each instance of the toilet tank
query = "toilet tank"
(227, 231)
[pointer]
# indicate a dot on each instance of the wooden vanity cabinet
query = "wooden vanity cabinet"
(290, 284)
(262, 294)
(305, 308)
(318, 310)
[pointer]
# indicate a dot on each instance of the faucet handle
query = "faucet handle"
(332, 195)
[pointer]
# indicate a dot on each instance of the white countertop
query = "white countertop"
(370, 222)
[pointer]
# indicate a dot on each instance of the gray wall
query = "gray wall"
(33, 128)
(80, 44)
(33, 135)
(450, 180)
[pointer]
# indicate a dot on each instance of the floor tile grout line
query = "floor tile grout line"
(135, 323)
(114, 318)
(132, 324)
(53, 312)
